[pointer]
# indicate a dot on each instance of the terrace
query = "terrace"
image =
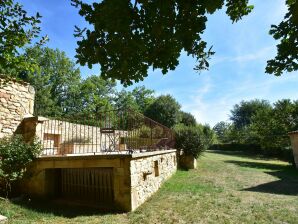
(112, 132)
(116, 160)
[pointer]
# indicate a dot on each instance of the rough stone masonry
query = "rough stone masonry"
(16, 102)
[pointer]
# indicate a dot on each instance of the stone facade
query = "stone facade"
(148, 173)
(16, 102)
(135, 176)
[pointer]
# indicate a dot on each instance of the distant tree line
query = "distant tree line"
(262, 125)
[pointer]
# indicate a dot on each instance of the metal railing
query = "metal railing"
(117, 131)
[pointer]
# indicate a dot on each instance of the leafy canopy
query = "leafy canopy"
(17, 31)
(165, 110)
(286, 59)
(187, 119)
(243, 112)
(55, 79)
(126, 38)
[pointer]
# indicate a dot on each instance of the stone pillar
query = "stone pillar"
(294, 143)
(122, 190)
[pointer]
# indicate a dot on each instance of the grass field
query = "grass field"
(226, 188)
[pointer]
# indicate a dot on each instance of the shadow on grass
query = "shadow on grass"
(62, 208)
(243, 154)
(287, 175)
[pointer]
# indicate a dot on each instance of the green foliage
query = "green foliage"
(165, 110)
(60, 90)
(270, 128)
(187, 119)
(126, 101)
(143, 97)
(18, 30)
(15, 155)
(146, 34)
(95, 95)
(259, 123)
(221, 130)
(144, 132)
(193, 140)
(242, 113)
(210, 137)
(286, 59)
(55, 79)
(155, 132)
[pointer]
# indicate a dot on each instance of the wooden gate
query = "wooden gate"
(94, 185)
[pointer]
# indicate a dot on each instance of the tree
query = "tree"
(187, 119)
(242, 113)
(147, 34)
(17, 31)
(286, 59)
(125, 100)
(165, 110)
(222, 129)
(143, 97)
(270, 127)
(96, 96)
(55, 79)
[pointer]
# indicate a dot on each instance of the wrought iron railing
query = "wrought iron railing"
(117, 131)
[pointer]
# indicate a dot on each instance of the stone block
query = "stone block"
(4, 95)
(188, 162)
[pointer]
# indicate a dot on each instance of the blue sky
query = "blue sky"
(236, 71)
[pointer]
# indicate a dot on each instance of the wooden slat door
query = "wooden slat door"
(93, 185)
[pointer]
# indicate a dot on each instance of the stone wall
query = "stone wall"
(16, 102)
(148, 173)
(135, 176)
(294, 143)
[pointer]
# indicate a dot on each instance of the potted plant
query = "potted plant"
(190, 142)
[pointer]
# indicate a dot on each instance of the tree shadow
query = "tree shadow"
(67, 209)
(287, 175)
(243, 154)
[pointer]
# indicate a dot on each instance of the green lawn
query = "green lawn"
(226, 188)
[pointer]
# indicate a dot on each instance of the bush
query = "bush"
(192, 140)
(146, 132)
(15, 155)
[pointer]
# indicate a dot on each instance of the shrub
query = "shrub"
(146, 132)
(191, 140)
(15, 155)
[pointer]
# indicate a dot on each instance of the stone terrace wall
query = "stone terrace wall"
(148, 173)
(16, 102)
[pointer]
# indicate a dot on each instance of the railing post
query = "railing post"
(151, 145)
